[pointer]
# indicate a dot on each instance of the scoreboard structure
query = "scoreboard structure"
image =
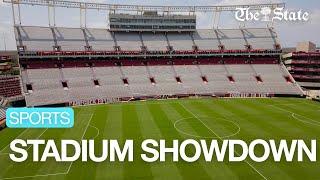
(152, 21)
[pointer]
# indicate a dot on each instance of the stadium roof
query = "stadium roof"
(102, 6)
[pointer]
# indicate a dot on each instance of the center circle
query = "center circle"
(207, 127)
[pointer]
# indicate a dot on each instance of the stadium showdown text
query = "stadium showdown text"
(188, 150)
(160, 151)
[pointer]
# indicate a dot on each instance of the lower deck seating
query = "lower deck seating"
(10, 86)
(136, 81)
(2, 114)
(2, 101)
(2, 118)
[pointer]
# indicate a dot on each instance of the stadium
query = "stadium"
(151, 74)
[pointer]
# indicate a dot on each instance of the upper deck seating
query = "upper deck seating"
(180, 41)
(100, 39)
(231, 39)
(128, 41)
(261, 38)
(77, 39)
(70, 39)
(35, 38)
(155, 41)
(206, 39)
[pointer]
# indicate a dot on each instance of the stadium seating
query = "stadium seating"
(2, 114)
(39, 79)
(3, 101)
(35, 38)
(10, 86)
(128, 41)
(2, 118)
(260, 38)
(275, 81)
(77, 39)
(231, 39)
(49, 90)
(117, 78)
(155, 41)
(100, 39)
(180, 41)
(70, 39)
(206, 40)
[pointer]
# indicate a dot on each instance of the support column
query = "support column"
(216, 19)
(19, 14)
(13, 13)
(244, 33)
(49, 19)
(54, 15)
(51, 14)
(83, 15)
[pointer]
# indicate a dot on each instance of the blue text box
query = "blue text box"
(40, 117)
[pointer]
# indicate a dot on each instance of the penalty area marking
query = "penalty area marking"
(52, 174)
(294, 115)
(206, 137)
(98, 131)
(296, 118)
(256, 170)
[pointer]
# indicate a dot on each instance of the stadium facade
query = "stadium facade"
(304, 67)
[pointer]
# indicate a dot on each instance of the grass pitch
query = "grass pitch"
(245, 119)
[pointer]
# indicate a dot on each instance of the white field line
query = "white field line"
(15, 138)
(205, 137)
(293, 115)
(51, 174)
(312, 104)
(288, 104)
(139, 103)
(98, 131)
(285, 110)
(67, 172)
(29, 146)
(87, 127)
(40, 175)
(222, 140)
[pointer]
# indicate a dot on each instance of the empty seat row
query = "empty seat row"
(2, 114)
(10, 86)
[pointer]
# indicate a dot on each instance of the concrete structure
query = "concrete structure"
(306, 47)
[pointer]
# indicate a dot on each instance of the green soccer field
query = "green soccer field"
(245, 119)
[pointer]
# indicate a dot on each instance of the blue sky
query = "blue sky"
(289, 32)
